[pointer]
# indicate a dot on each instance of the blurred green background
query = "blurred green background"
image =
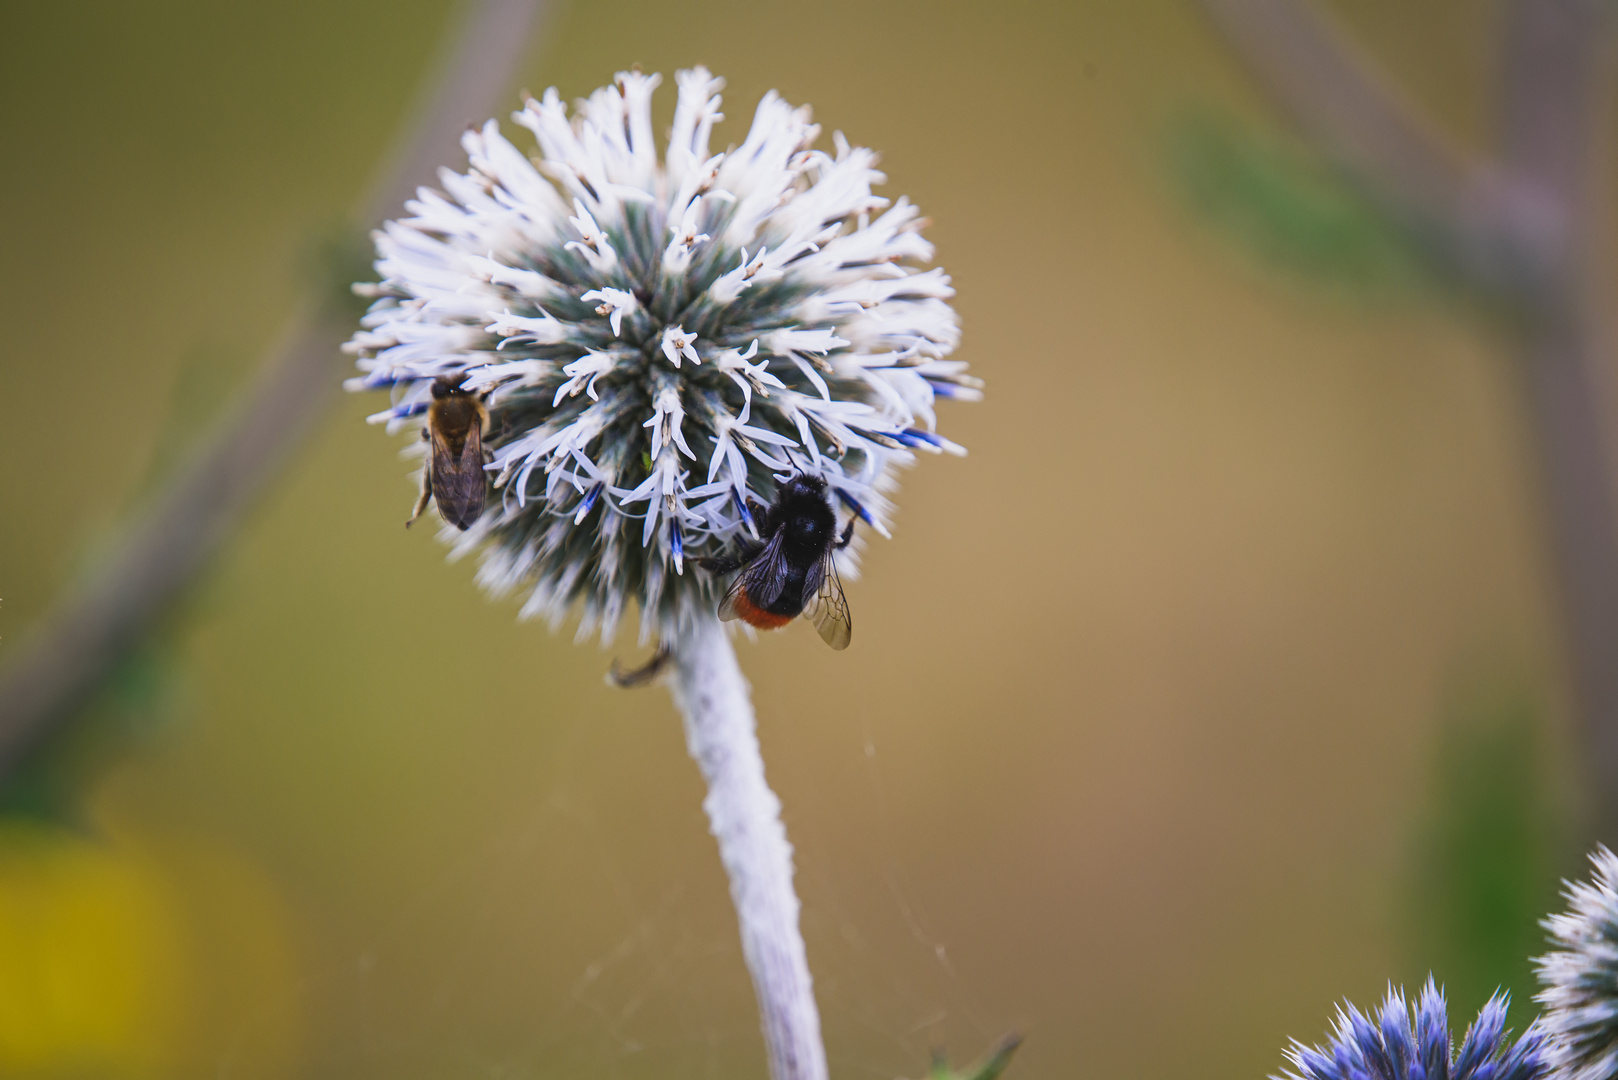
(1221, 681)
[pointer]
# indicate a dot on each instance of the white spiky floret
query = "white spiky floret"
(1580, 977)
(661, 339)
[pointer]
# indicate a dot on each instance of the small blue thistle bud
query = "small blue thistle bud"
(1401, 1045)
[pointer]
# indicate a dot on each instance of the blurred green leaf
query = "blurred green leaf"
(1291, 210)
(1488, 856)
(207, 376)
(334, 258)
(142, 697)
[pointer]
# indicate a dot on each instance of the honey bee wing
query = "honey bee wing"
(760, 581)
(458, 480)
(828, 608)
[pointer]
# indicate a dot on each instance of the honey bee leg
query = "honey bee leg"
(847, 535)
(426, 493)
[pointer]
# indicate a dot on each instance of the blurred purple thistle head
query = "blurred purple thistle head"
(1398, 1044)
(1581, 978)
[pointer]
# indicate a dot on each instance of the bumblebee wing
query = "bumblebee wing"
(727, 606)
(458, 480)
(760, 581)
(828, 608)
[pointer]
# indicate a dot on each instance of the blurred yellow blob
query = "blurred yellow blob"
(139, 959)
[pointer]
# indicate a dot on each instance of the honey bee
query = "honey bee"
(457, 421)
(791, 572)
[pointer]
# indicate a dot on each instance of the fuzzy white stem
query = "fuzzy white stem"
(745, 817)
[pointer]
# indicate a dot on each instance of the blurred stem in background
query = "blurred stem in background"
(1517, 227)
(87, 635)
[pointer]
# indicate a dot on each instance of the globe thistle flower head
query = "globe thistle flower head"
(1581, 977)
(1401, 1044)
(661, 339)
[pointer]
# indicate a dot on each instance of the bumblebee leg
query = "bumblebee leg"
(642, 675)
(847, 535)
(746, 552)
(426, 491)
(761, 515)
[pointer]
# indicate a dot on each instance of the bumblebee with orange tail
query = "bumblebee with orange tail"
(791, 572)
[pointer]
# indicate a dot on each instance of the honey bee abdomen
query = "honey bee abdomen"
(459, 483)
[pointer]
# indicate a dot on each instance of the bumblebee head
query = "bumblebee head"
(804, 485)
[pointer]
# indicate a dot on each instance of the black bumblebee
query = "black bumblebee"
(791, 572)
(457, 422)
